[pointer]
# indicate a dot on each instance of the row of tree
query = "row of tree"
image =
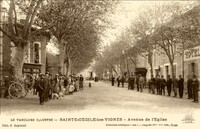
(76, 25)
(167, 28)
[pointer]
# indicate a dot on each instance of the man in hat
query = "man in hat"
(195, 85)
(81, 79)
(189, 87)
(180, 86)
(113, 80)
(41, 88)
(132, 82)
(169, 85)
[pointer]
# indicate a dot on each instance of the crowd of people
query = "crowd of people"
(161, 86)
(48, 87)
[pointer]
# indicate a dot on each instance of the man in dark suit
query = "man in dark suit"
(113, 80)
(81, 79)
(189, 88)
(180, 86)
(169, 85)
(157, 83)
(123, 80)
(47, 89)
(195, 85)
(137, 82)
(118, 81)
(152, 85)
(131, 82)
(41, 88)
(162, 85)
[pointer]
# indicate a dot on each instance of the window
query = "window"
(36, 53)
(193, 68)
(167, 70)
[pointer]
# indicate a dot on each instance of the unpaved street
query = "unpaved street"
(104, 106)
(102, 96)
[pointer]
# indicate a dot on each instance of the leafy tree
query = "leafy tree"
(20, 34)
(69, 19)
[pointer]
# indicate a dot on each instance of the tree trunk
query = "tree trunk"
(17, 62)
(172, 68)
(150, 56)
(61, 57)
(68, 72)
(151, 65)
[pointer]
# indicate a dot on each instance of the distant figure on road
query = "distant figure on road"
(122, 80)
(157, 83)
(81, 79)
(195, 85)
(189, 88)
(118, 81)
(169, 85)
(180, 86)
(90, 84)
(113, 80)
(162, 85)
(141, 82)
(137, 82)
(131, 82)
(152, 84)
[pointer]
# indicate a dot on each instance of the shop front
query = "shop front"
(192, 61)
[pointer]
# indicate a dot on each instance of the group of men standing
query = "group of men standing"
(46, 85)
(159, 84)
(139, 80)
(175, 85)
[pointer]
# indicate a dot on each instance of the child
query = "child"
(71, 88)
(90, 84)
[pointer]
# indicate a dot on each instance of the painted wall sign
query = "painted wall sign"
(191, 54)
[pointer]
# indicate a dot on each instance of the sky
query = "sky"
(126, 11)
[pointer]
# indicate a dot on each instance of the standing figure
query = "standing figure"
(162, 85)
(81, 79)
(137, 82)
(47, 90)
(195, 85)
(41, 88)
(189, 88)
(175, 85)
(169, 85)
(152, 84)
(118, 81)
(129, 82)
(141, 82)
(132, 82)
(56, 84)
(157, 84)
(113, 80)
(180, 86)
(122, 80)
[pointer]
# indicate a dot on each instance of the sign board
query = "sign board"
(192, 53)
